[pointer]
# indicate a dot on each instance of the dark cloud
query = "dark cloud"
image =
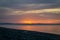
(21, 4)
(3, 11)
(11, 3)
(17, 3)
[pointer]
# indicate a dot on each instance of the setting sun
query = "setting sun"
(27, 21)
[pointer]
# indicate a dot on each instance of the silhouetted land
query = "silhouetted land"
(29, 24)
(14, 34)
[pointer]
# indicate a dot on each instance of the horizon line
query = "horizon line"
(29, 24)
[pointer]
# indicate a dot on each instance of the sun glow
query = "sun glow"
(27, 21)
(32, 21)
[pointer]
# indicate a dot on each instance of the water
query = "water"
(55, 29)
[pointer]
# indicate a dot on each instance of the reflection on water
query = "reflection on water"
(40, 28)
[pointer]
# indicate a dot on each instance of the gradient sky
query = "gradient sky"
(43, 11)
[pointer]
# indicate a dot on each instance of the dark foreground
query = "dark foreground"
(13, 34)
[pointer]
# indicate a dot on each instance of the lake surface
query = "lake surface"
(55, 29)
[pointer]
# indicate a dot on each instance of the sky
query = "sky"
(42, 11)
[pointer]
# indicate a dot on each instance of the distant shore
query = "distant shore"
(29, 24)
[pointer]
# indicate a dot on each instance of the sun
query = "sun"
(27, 22)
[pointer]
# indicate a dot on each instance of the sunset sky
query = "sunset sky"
(36, 11)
